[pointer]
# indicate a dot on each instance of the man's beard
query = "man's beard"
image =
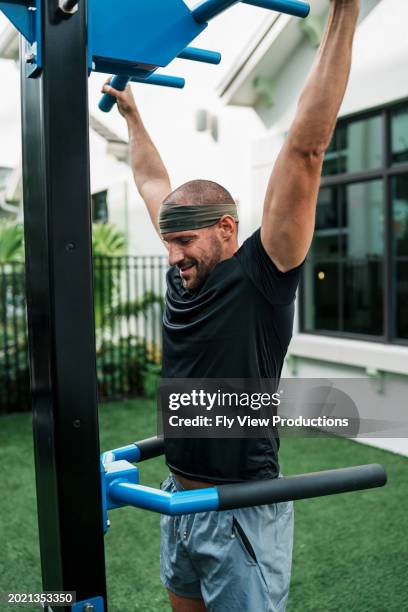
(204, 267)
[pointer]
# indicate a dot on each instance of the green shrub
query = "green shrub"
(127, 368)
(107, 241)
(14, 381)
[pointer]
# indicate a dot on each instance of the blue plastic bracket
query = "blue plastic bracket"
(26, 17)
(120, 487)
(96, 604)
(121, 471)
(167, 28)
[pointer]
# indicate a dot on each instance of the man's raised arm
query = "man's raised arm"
(151, 177)
(290, 202)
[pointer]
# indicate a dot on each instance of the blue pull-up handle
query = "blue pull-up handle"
(121, 490)
(189, 53)
(296, 8)
(165, 80)
(120, 82)
(107, 102)
(200, 55)
(138, 451)
(243, 495)
(211, 8)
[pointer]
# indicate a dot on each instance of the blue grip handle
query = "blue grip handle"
(107, 101)
(165, 80)
(200, 55)
(208, 9)
(297, 8)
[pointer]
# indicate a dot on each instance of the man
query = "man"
(229, 314)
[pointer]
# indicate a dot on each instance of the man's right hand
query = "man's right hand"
(125, 100)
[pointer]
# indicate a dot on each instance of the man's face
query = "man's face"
(195, 253)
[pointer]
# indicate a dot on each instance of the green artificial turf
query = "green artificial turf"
(351, 551)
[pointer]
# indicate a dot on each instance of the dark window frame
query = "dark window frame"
(101, 194)
(385, 173)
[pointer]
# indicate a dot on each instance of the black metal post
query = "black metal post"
(57, 213)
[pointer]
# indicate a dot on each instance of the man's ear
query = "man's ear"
(227, 225)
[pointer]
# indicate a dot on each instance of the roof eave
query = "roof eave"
(264, 56)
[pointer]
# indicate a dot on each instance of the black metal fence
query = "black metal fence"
(128, 296)
(14, 378)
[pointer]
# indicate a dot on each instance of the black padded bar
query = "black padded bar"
(289, 488)
(151, 447)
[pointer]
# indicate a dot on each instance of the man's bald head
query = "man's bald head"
(198, 222)
(199, 192)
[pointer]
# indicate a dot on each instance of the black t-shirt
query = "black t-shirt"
(238, 324)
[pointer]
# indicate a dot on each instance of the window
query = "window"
(355, 281)
(399, 196)
(399, 135)
(356, 146)
(100, 207)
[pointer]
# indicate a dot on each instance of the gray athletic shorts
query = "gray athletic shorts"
(235, 560)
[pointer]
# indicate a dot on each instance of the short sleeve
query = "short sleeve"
(277, 287)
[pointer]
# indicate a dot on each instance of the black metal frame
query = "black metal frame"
(57, 210)
(385, 173)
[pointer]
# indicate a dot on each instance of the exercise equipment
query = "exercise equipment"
(143, 36)
(185, 25)
(120, 485)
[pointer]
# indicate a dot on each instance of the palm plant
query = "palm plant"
(107, 241)
(125, 360)
(11, 242)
